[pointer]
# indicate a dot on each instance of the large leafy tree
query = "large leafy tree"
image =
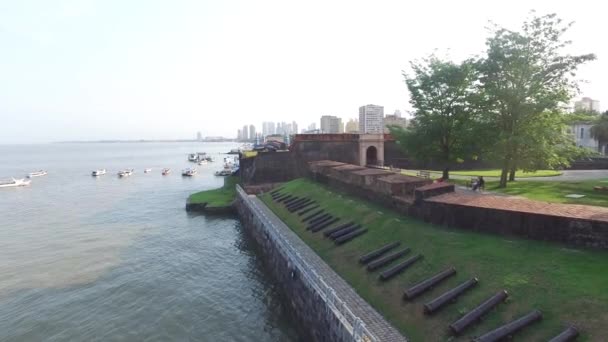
(525, 78)
(599, 131)
(441, 93)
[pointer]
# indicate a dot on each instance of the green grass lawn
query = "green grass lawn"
(568, 285)
(221, 197)
(492, 173)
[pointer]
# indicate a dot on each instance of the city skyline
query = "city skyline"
(110, 70)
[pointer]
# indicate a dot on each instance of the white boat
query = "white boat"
(223, 173)
(189, 172)
(37, 173)
(192, 157)
(99, 172)
(14, 182)
(125, 173)
(147, 170)
(202, 162)
(166, 171)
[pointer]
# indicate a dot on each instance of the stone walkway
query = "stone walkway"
(508, 203)
(374, 322)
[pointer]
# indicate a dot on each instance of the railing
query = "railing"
(353, 324)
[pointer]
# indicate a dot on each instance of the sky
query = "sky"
(107, 69)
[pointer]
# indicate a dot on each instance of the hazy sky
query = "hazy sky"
(73, 70)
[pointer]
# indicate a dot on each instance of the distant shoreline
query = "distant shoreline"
(140, 141)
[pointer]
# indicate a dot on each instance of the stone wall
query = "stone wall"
(317, 321)
(269, 167)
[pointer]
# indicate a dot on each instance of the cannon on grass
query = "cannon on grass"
(474, 315)
(343, 231)
(510, 328)
(319, 219)
(276, 191)
(570, 334)
(428, 284)
(342, 226)
(319, 222)
(323, 225)
(300, 206)
(345, 238)
(393, 271)
(280, 197)
(307, 210)
(316, 213)
(282, 200)
(293, 200)
(364, 259)
(376, 264)
(449, 296)
(297, 203)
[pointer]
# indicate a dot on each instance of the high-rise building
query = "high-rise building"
(239, 135)
(294, 127)
(394, 120)
(251, 132)
(268, 128)
(312, 126)
(587, 104)
(199, 136)
(352, 126)
(331, 124)
(245, 131)
(371, 119)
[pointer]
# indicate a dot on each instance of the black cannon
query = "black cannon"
(275, 191)
(282, 200)
(280, 197)
(341, 232)
(318, 219)
(570, 334)
(292, 200)
(307, 210)
(298, 203)
(378, 252)
(321, 226)
(449, 296)
(345, 238)
(510, 328)
(474, 315)
(301, 206)
(342, 226)
(318, 212)
(428, 284)
(393, 271)
(376, 264)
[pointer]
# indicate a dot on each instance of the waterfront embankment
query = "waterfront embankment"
(215, 200)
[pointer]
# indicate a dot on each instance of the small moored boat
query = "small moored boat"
(166, 171)
(14, 182)
(37, 173)
(125, 173)
(193, 157)
(202, 162)
(189, 172)
(99, 172)
(147, 170)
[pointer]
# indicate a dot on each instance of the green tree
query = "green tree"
(525, 78)
(599, 131)
(441, 93)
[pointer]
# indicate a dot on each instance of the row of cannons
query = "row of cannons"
(384, 257)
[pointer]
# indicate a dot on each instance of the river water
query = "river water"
(109, 259)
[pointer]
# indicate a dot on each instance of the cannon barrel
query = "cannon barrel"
(278, 198)
(301, 206)
(295, 202)
(475, 314)
(345, 238)
(324, 225)
(569, 334)
(427, 284)
(318, 212)
(342, 226)
(393, 271)
(298, 204)
(291, 200)
(286, 198)
(449, 296)
(364, 259)
(376, 264)
(341, 232)
(510, 328)
(275, 191)
(319, 219)
(307, 210)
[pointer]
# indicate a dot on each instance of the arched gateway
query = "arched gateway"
(371, 149)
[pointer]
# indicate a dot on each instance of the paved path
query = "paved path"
(374, 322)
(566, 176)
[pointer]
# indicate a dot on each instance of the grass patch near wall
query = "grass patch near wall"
(221, 197)
(568, 285)
(490, 173)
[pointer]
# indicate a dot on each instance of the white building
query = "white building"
(394, 120)
(587, 104)
(268, 128)
(581, 132)
(331, 124)
(371, 119)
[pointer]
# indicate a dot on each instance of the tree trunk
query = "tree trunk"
(505, 173)
(446, 173)
(512, 175)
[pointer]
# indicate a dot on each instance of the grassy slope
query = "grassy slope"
(221, 197)
(567, 285)
(492, 173)
(551, 191)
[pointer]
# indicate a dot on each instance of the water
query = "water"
(109, 259)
